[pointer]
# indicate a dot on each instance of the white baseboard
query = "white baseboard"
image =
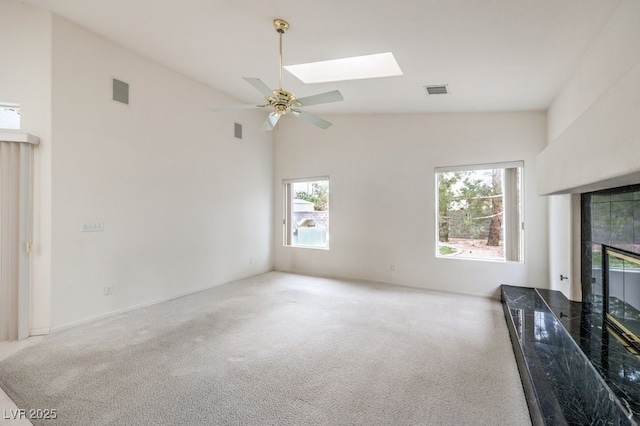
(141, 305)
(437, 290)
(123, 310)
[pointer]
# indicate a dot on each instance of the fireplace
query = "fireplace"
(611, 218)
(610, 278)
(580, 360)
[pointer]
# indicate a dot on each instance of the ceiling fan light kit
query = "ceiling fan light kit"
(283, 101)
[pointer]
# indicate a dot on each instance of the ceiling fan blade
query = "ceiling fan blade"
(313, 119)
(232, 107)
(322, 98)
(258, 84)
(271, 121)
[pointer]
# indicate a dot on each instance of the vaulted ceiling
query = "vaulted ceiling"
(495, 55)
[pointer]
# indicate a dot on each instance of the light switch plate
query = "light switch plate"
(92, 227)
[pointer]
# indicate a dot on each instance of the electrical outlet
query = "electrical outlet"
(393, 266)
(108, 290)
(251, 260)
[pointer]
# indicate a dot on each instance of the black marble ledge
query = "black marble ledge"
(562, 384)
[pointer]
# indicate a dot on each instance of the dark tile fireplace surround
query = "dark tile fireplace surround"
(575, 370)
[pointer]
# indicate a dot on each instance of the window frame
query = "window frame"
(513, 223)
(287, 219)
(15, 107)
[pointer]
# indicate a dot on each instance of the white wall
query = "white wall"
(612, 55)
(25, 78)
(560, 249)
(594, 133)
(382, 195)
(185, 205)
(594, 123)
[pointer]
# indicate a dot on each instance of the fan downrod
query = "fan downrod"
(281, 25)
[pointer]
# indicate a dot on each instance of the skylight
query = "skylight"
(354, 68)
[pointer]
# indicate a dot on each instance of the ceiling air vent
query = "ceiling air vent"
(440, 89)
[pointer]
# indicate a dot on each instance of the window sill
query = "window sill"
(479, 259)
(18, 136)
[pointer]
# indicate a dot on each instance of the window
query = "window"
(479, 212)
(306, 212)
(9, 116)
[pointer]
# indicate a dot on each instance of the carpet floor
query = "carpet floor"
(280, 349)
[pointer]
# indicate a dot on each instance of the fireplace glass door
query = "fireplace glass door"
(621, 282)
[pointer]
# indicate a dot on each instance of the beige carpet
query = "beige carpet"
(280, 349)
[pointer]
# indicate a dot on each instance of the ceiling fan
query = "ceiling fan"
(284, 101)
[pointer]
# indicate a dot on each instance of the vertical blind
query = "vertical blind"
(16, 189)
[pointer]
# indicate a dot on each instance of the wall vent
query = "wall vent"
(440, 89)
(119, 91)
(237, 130)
